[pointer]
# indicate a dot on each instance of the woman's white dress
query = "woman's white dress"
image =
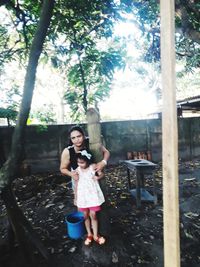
(89, 193)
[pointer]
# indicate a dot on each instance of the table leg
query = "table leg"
(142, 179)
(129, 179)
(154, 189)
(138, 189)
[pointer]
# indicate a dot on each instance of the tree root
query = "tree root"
(26, 236)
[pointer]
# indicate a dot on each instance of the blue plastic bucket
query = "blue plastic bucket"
(75, 225)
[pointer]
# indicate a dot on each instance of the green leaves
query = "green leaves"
(91, 78)
(8, 113)
(45, 115)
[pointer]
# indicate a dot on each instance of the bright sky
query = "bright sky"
(128, 102)
(130, 97)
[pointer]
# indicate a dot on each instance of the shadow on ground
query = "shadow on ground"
(135, 235)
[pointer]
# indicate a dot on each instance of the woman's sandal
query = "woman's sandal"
(88, 240)
(100, 240)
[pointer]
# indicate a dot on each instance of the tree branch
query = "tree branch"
(183, 9)
(8, 171)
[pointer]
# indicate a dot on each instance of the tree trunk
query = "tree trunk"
(9, 169)
(95, 144)
(23, 231)
(84, 84)
(2, 155)
(25, 235)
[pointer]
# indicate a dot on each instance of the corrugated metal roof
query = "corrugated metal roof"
(190, 99)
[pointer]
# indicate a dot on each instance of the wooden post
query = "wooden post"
(170, 139)
(95, 144)
(94, 133)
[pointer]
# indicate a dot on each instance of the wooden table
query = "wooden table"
(141, 167)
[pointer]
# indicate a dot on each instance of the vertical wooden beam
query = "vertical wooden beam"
(170, 139)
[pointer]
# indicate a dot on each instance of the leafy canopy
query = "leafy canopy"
(77, 31)
(78, 41)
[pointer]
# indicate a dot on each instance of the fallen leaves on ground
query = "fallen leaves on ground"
(136, 237)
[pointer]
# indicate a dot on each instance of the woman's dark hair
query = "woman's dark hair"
(77, 128)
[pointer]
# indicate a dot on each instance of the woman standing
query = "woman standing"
(78, 142)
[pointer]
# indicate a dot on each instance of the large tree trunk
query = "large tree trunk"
(20, 225)
(25, 235)
(2, 155)
(95, 143)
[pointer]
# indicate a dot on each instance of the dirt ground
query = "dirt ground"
(135, 235)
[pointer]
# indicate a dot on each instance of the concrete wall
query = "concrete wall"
(140, 135)
(43, 147)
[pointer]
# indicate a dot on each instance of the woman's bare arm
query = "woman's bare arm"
(65, 163)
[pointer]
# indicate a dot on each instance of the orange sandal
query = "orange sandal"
(100, 240)
(88, 240)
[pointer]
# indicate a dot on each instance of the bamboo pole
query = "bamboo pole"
(170, 139)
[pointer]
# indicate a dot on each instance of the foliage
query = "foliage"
(76, 30)
(187, 18)
(11, 97)
(3, 43)
(98, 67)
(187, 84)
(45, 115)
(76, 41)
(8, 113)
(20, 228)
(90, 68)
